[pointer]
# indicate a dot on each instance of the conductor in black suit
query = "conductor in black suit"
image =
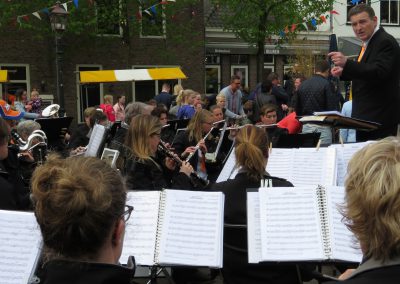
(375, 74)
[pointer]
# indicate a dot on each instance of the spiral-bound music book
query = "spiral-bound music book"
(20, 247)
(175, 227)
(299, 224)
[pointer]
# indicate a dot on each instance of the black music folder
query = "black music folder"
(53, 127)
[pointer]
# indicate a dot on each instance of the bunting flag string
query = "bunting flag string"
(46, 11)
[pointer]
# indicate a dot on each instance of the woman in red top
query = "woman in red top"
(107, 107)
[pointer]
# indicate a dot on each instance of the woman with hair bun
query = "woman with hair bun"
(251, 151)
(80, 208)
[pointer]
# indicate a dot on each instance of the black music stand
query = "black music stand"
(300, 140)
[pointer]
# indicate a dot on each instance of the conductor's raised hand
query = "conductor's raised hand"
(338, 58)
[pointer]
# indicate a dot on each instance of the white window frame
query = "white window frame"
(27, 81)
(398, 13)
(78, 101)
(164, 25)
(156, 81)
(219, 77)
(270, 63)
(119, 26)
(246, 67)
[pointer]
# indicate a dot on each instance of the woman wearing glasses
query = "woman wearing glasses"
(146, 169)
(80, 208)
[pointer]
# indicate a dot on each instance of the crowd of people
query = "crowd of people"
(80, 202)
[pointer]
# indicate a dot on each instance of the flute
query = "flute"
(198, 146)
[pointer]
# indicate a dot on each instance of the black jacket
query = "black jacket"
(236, 268)
(69, 272)
(79, 137)
(376, 82)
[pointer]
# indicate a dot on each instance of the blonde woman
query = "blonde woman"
(146, 169)
(251, 151)
(187, 110)
(107, 107)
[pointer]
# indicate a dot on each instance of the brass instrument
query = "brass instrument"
(162, 148)
(36, 144)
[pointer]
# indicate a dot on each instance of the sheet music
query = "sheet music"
(20, 246)
(304, 166)
(95, 140)
(228, 171)
(140, 232)
(191, 231)
(344, 153)
(290, 224)
(253, 227)
(343, 243)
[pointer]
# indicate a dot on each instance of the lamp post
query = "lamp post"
(58, 21)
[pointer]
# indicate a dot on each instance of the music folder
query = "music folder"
(299, 224)
(175, 227)
(54, 126)
(20, 246)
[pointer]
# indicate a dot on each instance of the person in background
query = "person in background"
(348, 135)
(179, 101)
(164, 97)
(35, 102)
(21, 105)
(119, 108)
(167, 134)
(282, 98)
(233, 98)
(298, 80)
(187, 109)
(177, 90)
(79, 137)
(268, 116)
(107, 107)
(217, 113)
(80, 206)
(371, 212)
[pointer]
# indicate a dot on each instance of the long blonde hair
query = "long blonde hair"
(141, 128)
(195, 128)
(251, 150)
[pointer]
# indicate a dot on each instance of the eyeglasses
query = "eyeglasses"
(127, 214)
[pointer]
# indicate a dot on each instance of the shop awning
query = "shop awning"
(105, 76)
(3, 76)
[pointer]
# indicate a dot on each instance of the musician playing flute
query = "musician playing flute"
(145, 168)
(191, 143)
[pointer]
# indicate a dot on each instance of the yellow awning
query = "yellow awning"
(3, 76)
(105, 76)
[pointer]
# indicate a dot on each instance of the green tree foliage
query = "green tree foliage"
(256, 20)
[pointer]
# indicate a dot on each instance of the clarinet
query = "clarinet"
(162, 148)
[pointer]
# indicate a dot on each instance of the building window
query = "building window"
(242, 72)
(18, 78)
(351, 5)
(213, 59)
(153, 21)
(240, 59)
(213, 79)
(108, 14)
(390, 12)
(144, 91)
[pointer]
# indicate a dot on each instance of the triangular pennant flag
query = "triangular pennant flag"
(293, 27)
(138, 16)
(355, 2)
(164, 2)
(314, 22)
(171, 1)
(76, 3)
(147, 12)
(323, 19)
(45, 10)
(36, 14)
(153, 9)
(334, 12)
(282, 34)
(26, 18)
(65, 6)
(305, 25)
